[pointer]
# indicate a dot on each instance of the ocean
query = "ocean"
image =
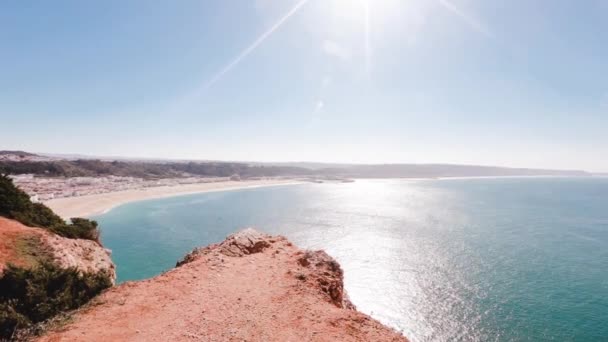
(503, 259)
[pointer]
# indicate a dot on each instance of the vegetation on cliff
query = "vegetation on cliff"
(33, 295)
(15, 204)
(42, 288)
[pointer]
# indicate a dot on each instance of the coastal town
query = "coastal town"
(49, 178)
(41, 189)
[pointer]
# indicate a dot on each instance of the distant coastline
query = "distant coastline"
(91, 205)
(97, 204)
(88, 186)
(516, 177)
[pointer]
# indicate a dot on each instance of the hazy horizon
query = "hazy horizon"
(467, 82)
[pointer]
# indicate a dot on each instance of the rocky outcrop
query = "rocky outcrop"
(322, 271)
(245, 242)
(26, 246)
(250, 287)
(318, 269)
(86, 255)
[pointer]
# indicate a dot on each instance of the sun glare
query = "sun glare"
(368, 21)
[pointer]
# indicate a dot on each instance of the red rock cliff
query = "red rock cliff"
(26, 246)
(251, 287)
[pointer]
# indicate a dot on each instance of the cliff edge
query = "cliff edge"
(29, 246)
(250, 287)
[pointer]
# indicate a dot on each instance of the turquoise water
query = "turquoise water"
(512, 259)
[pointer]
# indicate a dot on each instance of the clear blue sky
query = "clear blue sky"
(514, 83)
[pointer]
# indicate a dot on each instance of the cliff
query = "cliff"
(250, 287)
(27, 247)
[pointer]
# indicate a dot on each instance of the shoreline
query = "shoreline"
(92, 205)
(98, 204)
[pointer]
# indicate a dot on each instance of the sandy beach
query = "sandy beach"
(90, 205)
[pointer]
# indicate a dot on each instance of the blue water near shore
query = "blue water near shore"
(511, 259)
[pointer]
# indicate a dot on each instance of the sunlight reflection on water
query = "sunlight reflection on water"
(372, 224)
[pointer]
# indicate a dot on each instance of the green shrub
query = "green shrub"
(29, 296)
(79, 229)
(16, 204)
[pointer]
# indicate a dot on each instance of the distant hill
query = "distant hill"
(149, 170)
(441, 170)
(18, 162)
(16, 153)
(420, 170)
(306, 165)
(20, 156)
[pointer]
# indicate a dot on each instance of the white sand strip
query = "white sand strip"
(90, 205)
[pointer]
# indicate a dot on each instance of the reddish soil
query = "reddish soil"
(27, 246)
(13, 235)
(251, 287)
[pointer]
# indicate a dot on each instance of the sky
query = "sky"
(509, 83)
